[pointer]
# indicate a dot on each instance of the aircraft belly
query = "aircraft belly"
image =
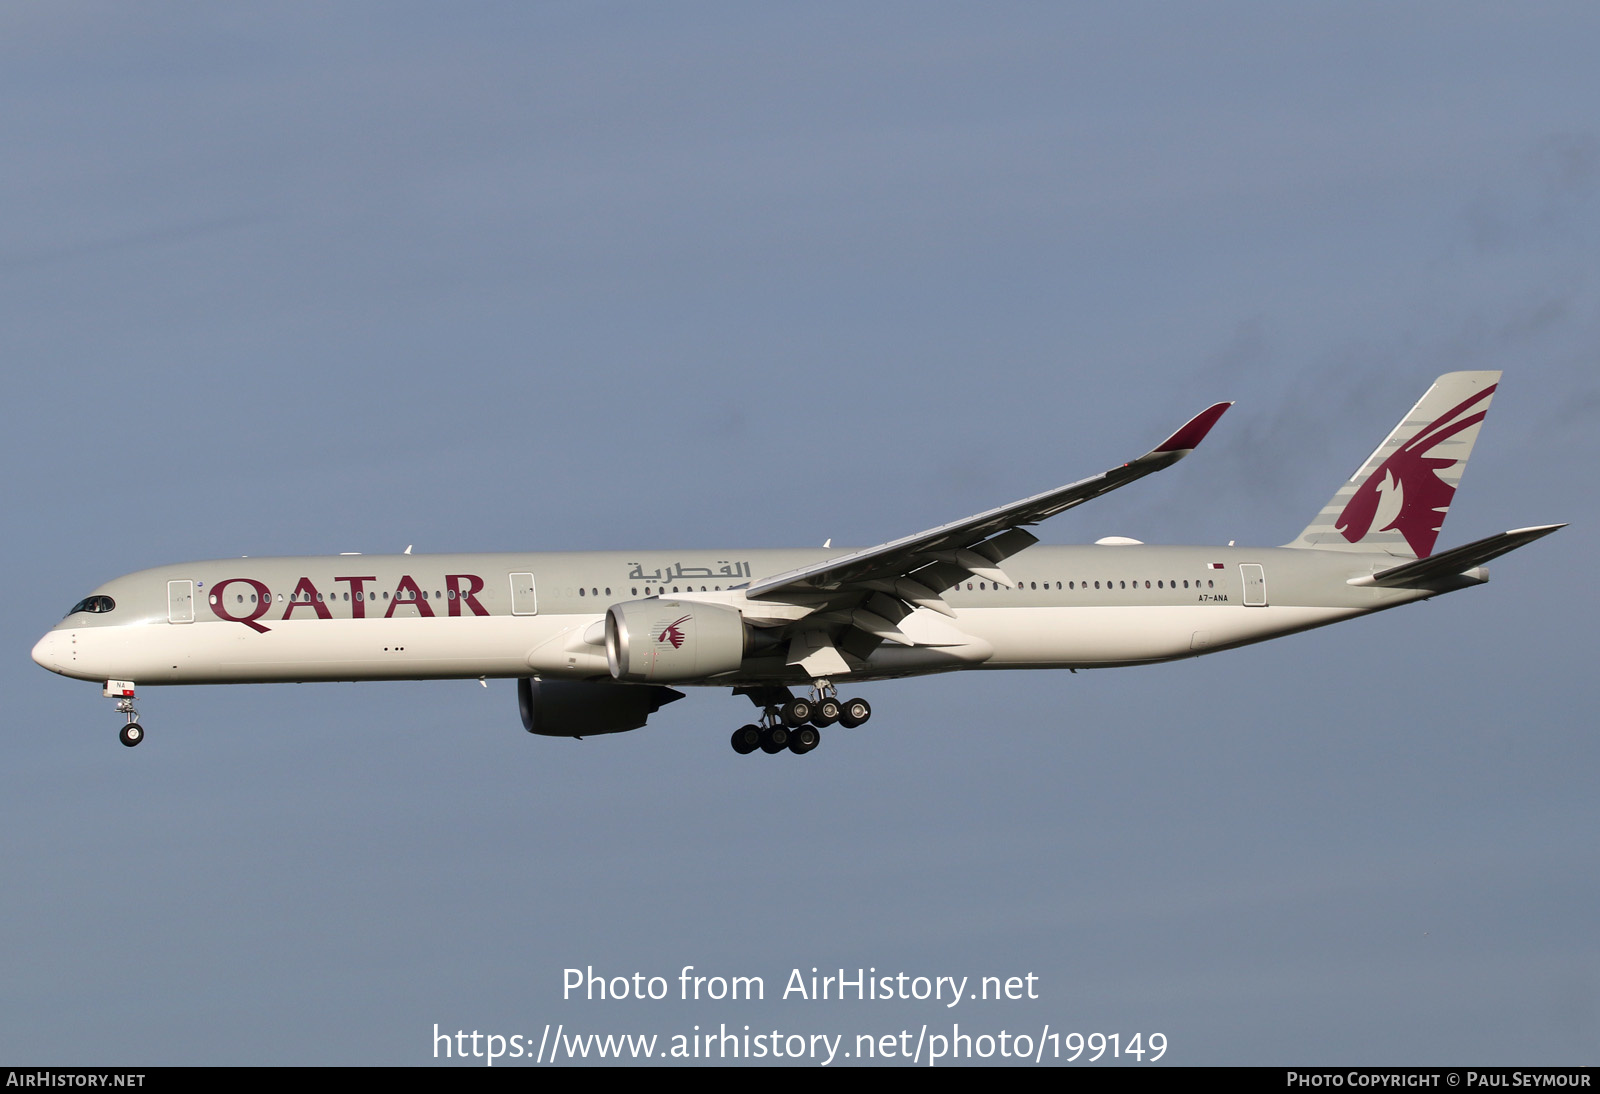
(316, 649)
(1031, 637)
(890, 660)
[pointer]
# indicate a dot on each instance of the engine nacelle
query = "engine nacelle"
(667, 641)
(579, 708)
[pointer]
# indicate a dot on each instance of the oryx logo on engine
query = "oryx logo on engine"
(671, 633)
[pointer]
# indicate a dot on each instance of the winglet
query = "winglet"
(1192, 432)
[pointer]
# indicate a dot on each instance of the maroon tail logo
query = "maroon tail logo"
(672, 634)
(1405, 493)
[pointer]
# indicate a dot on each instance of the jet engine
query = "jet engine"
(670, 641)
(579, 708)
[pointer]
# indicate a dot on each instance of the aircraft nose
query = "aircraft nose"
(50, 651)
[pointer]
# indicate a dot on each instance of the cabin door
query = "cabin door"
(524, 598)
(180, 602)
(1255, 585)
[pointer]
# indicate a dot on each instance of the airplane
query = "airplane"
(596, 639)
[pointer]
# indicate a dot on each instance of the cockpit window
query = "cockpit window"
(94, 604)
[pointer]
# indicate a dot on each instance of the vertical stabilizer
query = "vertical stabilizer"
(1396, 503)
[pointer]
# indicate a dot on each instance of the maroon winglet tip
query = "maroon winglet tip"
(1192, 432)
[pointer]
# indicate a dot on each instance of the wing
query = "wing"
(873, 589)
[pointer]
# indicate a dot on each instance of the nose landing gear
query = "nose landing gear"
(122, 691)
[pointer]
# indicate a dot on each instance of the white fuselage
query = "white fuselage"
(516, 615)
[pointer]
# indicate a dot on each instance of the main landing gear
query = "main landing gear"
(796, 724)
(122, 691)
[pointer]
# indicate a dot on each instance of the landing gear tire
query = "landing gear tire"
(804, 739)
(826, 713)
(855, 713)
(774, 739)
(131, 734)
(797, 712)
(746, 739)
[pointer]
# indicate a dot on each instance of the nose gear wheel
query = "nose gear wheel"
(132, 733)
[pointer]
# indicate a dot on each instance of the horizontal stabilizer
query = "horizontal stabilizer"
(1457, 560)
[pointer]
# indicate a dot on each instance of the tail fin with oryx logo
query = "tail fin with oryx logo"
(1396, 503)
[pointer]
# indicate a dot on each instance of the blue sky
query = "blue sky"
(298, 280)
